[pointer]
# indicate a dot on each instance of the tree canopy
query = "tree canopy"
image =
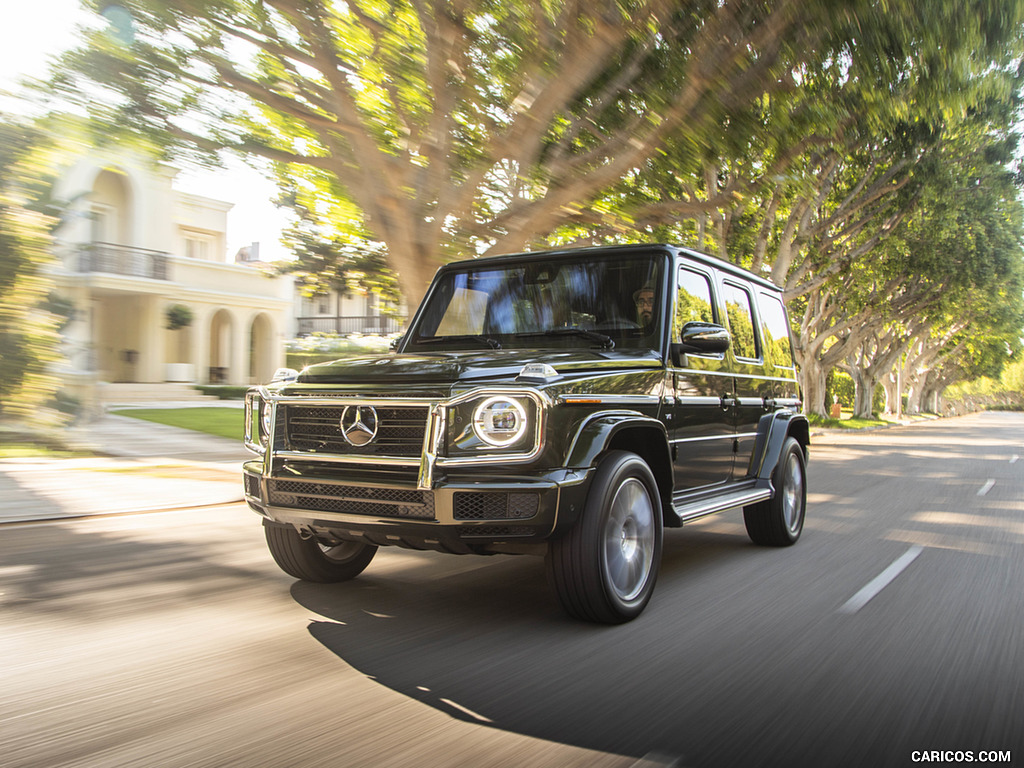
(798, 139)
(470, 126)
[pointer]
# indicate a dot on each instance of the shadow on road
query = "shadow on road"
(491, 646)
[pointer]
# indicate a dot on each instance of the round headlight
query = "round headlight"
(266, 414)
(499, 421)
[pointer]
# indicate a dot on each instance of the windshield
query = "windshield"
(596, 302)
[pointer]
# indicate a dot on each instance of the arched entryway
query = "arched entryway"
(222, 346)
(262, 361)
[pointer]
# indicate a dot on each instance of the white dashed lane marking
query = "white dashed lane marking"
(881, 581)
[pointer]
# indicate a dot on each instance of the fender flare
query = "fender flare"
(772, 431)
(598, 430)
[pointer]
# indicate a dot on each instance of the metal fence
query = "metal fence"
(367, 325)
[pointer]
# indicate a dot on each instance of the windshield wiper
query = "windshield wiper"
(605, 341)
(486, 341)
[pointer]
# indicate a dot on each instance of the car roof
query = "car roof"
(623, 250)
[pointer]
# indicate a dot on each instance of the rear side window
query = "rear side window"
(693, 301)
(741, 321)
(778, 348)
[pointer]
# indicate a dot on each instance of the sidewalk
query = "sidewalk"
(142, 466)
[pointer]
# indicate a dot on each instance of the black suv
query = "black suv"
(567, 403)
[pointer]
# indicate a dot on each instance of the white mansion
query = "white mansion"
(132, 249)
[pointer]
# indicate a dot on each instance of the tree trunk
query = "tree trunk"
(891, 386)
(863, 393)
(931, 397)
(812, 382)
(414, 265)
(916, 402)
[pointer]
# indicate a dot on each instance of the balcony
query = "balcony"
(123, 260)
(367, 325)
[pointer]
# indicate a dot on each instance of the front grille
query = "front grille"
(472, 505)
(352, 499)
(317, 429)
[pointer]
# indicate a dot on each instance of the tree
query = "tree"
(471, 126)
(29, 339)
(332, 250)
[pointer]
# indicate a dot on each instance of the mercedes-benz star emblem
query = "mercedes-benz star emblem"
(359, 424)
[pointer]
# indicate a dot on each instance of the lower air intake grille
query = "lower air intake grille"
(252, 486)
(352, 499)
(495, 506)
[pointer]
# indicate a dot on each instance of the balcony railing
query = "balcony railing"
(124, 260)
(345, 326)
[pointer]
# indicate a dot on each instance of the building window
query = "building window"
(198, 246)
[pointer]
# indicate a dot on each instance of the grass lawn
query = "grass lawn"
(846, 422)
(224, 422)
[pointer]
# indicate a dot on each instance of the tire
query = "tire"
(779, 521)
(309, 560)
(605, 567)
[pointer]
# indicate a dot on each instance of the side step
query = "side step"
(694, 510)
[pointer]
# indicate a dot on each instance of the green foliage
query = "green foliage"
(332, 249)
(223, 391)
(179, 316)
(452, 128)
(1012, 379)
(839, 388)
(1008, 387)
(29, 339)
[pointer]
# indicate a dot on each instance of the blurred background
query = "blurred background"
(257, 184)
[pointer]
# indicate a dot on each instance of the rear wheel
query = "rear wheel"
(310, 560)
(605, 568)
(779, 521)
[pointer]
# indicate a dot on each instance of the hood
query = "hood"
(452, 367)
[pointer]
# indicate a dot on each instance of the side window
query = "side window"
(693, 301)
(775, 331)
(741, 321)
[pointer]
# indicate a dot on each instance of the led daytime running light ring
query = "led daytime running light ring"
(484, 411)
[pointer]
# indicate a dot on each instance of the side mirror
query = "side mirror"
(284, 374)
(395, 342)
(703, 339)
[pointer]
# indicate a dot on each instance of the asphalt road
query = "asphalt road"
(893, 627)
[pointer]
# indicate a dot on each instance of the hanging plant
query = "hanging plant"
(179, 316)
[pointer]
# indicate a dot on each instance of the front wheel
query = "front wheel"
(779, 521)
(309, 560)
(604, 569)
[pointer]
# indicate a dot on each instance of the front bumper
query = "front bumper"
(460, 513)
